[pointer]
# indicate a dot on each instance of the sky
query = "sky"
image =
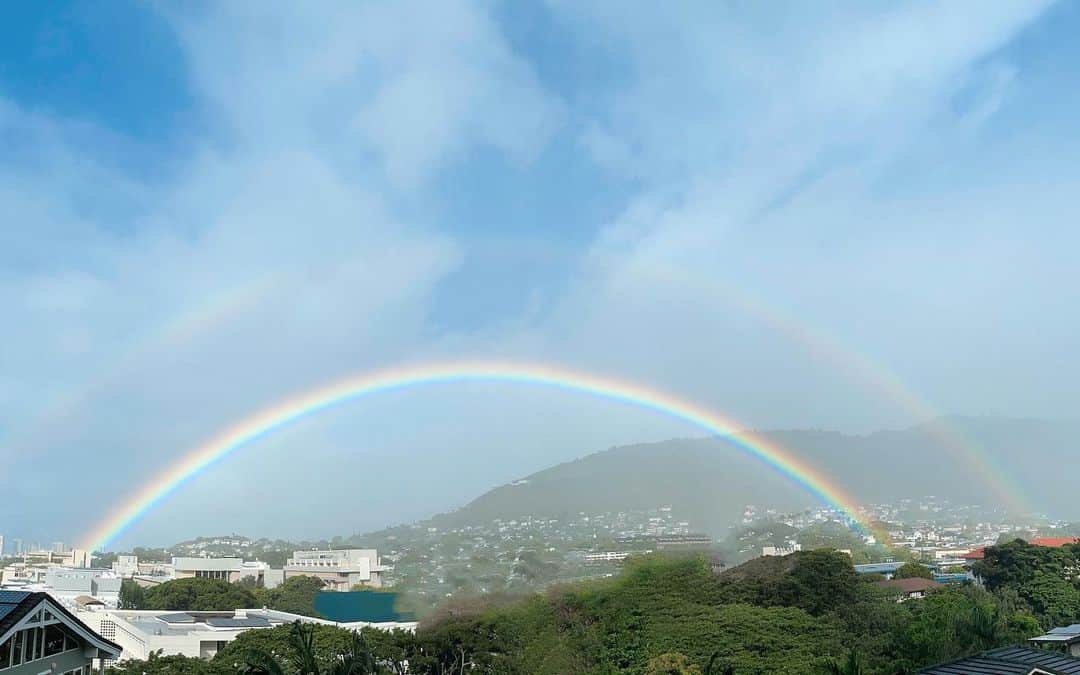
(771, 209)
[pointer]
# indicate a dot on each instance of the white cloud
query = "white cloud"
(269, 259)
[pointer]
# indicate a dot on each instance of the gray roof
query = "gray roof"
(1009, 661)
(179, 617)
(249, 622)
(1061, 635)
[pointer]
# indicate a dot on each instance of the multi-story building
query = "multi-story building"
(684, 542)
(225, 569)
(339, 570)
(126, 566)
(74, 558)
(68, 585)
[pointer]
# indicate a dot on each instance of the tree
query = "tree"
(914, 570)
(671, 663)
(303, 656)
(132, 595)
(851, 666)
(198, 595)
(296, 596)
(168, 665)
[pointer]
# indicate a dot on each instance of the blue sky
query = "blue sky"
(208, 207)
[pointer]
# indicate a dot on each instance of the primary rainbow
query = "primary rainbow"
(316, 400)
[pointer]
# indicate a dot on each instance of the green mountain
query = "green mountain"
(709, 480)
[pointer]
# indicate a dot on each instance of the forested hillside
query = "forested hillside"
(709, 481)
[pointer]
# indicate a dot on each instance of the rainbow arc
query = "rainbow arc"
(265, 422)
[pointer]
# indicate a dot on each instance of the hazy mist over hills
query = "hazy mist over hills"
(709, 481)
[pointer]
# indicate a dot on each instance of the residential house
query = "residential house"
(1009, 661)
(909, 589)
(38, 635)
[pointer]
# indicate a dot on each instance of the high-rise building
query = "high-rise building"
(1, 546)
(16, 546)
(57, 547)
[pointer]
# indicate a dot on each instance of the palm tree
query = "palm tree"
(714, 668)
(983, 627)
(851, 666)
(303, 661)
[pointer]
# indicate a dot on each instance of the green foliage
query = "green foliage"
(132, 595)
(197, 595)
(851, 666)
(799, 614)
(1041, 579)
(816, 581)
(672, 663)
(829, 534)
(294, 648)
(169, 665)
(296, 595)
(914, 570)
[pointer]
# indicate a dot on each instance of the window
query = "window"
(32, 639)
(54, 640)
(17, 648)
(5, 654)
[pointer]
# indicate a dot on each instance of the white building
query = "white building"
(66, 585)
(780, 550)
(599, 557)
(126, 566)
(197, 634)
(225, 569)
(340, 570)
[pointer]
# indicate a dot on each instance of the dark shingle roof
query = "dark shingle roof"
(1009, 661)
(15, 605)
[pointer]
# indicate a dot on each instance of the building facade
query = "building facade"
(340, 570)
(224, 569)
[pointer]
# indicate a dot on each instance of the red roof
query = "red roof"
(977, 554)
(1054, 542)
(910, 585)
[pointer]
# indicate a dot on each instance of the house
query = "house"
(1064, 639)
(38, 635)
(1009, 661)
(909, 589)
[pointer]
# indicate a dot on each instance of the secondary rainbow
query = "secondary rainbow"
(290, 410)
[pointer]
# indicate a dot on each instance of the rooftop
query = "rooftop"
(911, 585)
(1062, 635)
(16, 605)
(1009, 661)
(184, 623)
(1054, 542)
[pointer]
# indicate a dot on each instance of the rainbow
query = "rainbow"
(275, 417)
(861, 368)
